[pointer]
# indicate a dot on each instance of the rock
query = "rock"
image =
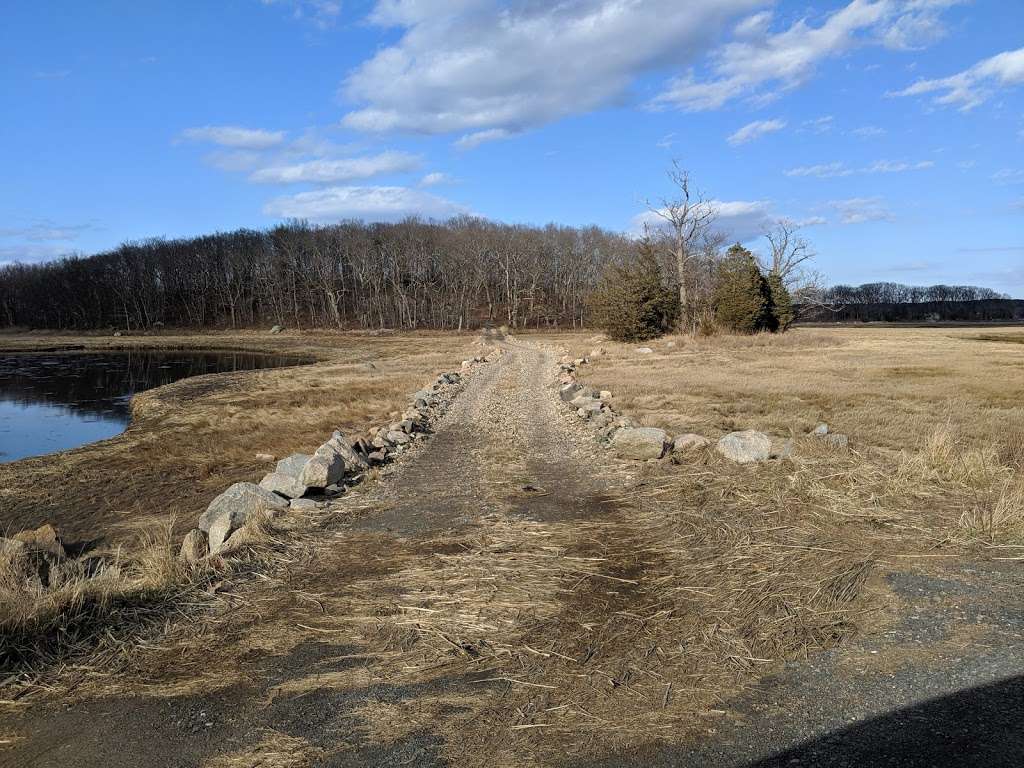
(219, 531)
(604, 394)
(586, 407)
(746, 446)
(118, 334)
(689, 442)
(249, 534)
(322, 470)
(237, 503)
(671, 345)
(570, 392)
(305, 505)
(292, 465)
(264, 457)
(286, 485)
(639, 443)
(44, 539)
(351, 455)
(193, 547)
(644, 350)
(837, 441)
(378, 457)
(277, 329)
(399, 438)
(820, 431)
(14, 558)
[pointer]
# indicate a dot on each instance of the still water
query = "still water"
(55, 401)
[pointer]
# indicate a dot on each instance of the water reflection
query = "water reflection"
(52, 402)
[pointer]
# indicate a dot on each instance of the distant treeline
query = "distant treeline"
(414, 274)
(893, 302)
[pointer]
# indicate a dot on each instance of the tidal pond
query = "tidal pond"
(54, 401)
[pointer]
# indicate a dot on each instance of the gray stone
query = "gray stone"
(304, 505)
(266, 457)
(276, 329)
(746, 446)
(820, 431)
(570, 392)
(193, 547)
(239, 502)
(352, 457)
(639, 443)
(323, 469)
(378, 457)
(604, 394)
(285, 485)
(689, 442)
(398, 438)
(644, 350)
(292, 465)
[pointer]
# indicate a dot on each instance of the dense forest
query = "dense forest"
(895, 303)
(414, 274)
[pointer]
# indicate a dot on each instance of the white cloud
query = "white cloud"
(755, 130)
(1008, 176)
(973, 86)
(325, 171)
(474, 140)
(838, 169)
(435, 179)
(321, 13)
(786, 59)
(367, 203)
(45, 231)
(473, 65)
(821, 171)
(868, 131)
(234, 136)
(738, 220)
(818, 125)
(859, 210)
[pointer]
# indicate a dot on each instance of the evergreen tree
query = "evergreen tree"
(631, 303)
(782, 303)
(743, 301)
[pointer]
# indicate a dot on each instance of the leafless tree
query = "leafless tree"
(689, 216)
(789, 252)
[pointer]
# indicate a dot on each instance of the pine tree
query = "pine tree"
(743, 301)
(631, 303)
(782, 303)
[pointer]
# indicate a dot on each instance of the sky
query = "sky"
(891, 131)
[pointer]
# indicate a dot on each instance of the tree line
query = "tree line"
(461, 273)
(898, 293)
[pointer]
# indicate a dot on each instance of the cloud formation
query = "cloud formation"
(838, 169)
(860, 210)
(473, 65)
(972, 87)
(326, 171)
(756, 130)
(234, 136)
(369, 203)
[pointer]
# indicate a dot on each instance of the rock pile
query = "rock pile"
(299, 480)
(630, 441)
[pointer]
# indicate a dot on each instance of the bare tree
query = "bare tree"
(789, 252)
(689, 216)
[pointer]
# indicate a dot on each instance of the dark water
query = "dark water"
(52, 402)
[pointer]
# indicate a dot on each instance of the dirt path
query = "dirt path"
(494, 600)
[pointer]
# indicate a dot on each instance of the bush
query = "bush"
(631, 303)
(743, 300)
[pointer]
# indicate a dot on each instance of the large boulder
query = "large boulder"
(45, 540)
(746, 446)
(322, 470)
(570, 392)
(639, 443)
(239, 502)
(288, 486)
(340, 445)
(293, 465)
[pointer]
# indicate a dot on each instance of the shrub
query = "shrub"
(743, 300)
(631, 303)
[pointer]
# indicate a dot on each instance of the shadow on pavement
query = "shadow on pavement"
(981, 726)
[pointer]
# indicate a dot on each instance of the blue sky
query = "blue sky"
(892, 130)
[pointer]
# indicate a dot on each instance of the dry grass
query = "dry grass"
(191, 439)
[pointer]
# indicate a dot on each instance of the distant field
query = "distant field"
(191, 439)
